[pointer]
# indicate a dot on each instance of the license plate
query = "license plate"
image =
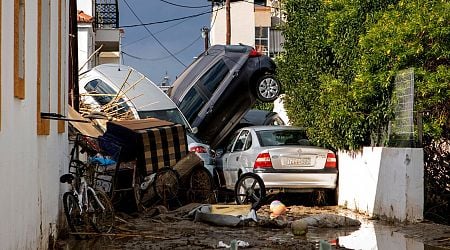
(297, 161)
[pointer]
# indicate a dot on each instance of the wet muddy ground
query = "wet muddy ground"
(162, 229)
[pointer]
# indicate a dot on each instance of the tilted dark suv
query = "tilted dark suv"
(216, 90)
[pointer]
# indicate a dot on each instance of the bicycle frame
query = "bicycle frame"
(82, 195)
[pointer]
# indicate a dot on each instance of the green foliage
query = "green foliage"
(263, 105)
(341, 58)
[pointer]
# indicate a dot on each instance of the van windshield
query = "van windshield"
(103, 94)
(171, 115)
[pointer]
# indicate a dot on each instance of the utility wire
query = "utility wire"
(154, 37)
(157, 32)
(185, 6)
(166, 21)
(165, 57)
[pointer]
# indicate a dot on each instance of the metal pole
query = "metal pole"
(205, 35)
(228, 20)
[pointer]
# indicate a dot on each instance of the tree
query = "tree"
(341, 58)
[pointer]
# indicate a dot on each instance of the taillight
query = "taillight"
(331, 161)
(254, 53)
(263, 161)
(198, 149)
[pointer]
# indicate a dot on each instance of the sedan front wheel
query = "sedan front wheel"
(268, 88)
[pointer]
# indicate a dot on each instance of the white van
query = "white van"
(140, 96)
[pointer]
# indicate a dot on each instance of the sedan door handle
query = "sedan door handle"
(209, 110)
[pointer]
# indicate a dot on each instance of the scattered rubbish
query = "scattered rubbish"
(203, 214)
(299, 227)
(235, 210)
(277, 209)
(330, 221)
(234, 244)
(323, 245)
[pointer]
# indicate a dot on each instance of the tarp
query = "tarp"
(153, 142)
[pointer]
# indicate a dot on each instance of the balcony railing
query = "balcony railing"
(106, 14)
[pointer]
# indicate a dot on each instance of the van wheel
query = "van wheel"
(268, 88)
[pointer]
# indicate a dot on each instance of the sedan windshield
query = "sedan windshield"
(282, 137)
(171, 115)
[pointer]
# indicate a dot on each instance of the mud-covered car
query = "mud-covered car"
(282, 158)
(220, 86)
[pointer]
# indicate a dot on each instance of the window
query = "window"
(262, 39)
(43, 66)
(191, 104)
(282, 137)
(171, 115)
(260, 2)
(240, 142)
(104, 94)
(19, 49)
(230, 145)
(248, 143)
(212, 79)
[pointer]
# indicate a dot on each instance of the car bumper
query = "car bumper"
(299, 180)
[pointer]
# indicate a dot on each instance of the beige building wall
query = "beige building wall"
(242, 24)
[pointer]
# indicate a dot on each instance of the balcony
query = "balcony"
(106, 25)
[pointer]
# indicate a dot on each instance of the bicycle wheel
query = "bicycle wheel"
(250, 189)
(102, 219)
(75, 219)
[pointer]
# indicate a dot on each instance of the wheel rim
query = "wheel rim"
(268, 88)
(249, 191)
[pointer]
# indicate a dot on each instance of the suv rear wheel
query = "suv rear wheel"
(267, 88)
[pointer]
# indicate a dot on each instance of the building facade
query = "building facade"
(253, 22)
(99, 35)
(33, 149)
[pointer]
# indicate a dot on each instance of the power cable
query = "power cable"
(166, 21)
(162, 58)
(157, 32)
(154, 37)
(185, 6)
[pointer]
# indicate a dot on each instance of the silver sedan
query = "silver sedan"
(282, 157)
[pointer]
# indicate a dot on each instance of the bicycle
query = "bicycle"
(86, 208)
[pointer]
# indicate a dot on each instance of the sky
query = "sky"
(182, 37)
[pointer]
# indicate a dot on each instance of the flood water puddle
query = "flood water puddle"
(370, 235)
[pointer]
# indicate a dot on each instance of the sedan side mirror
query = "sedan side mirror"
(194, 130)
(219, 152)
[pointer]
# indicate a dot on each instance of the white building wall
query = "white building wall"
(383, 182)
(30, 165)
(242, 24)
(86, 6)
(85, 46)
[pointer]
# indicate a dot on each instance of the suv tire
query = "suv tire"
(268, 88)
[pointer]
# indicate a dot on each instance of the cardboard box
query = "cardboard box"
(234, 210)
